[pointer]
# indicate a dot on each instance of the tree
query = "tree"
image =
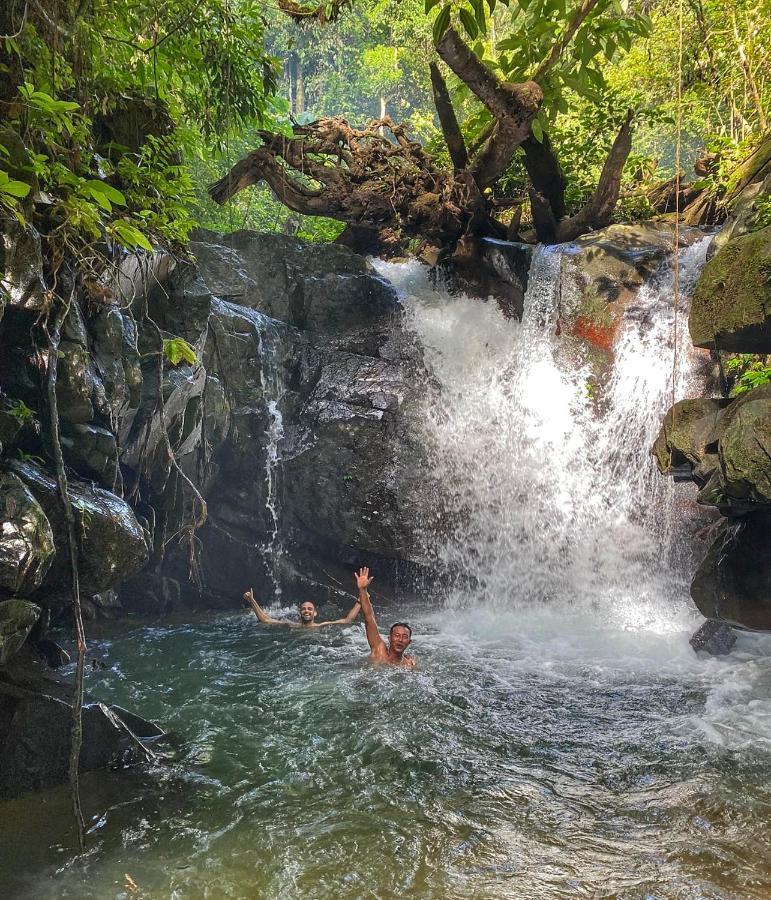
(330, 168)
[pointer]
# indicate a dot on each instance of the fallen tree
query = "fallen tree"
(375, 179)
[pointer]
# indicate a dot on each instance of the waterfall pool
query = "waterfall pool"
(560, 739)
(536, 755)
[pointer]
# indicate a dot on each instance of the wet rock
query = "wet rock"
(320, 288)
(26, 541)
(341, 471)
(744, 448)
(715, 638)
(150, 594)
(733, 581)
(35, 736)
(111, 541)
(731, 304)
(22, 285)
(689, 431)
(93, 453)
(116, 359)
(54, 655)
(17, 618)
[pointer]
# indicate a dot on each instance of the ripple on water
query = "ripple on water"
(530, 756)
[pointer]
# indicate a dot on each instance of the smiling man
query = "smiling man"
(308, 614)
(399, 637)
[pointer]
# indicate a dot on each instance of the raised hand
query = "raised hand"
(249, 596)
(363, 579)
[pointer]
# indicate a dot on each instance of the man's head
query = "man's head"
(308, 612)
(399, 637)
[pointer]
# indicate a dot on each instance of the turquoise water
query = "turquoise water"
(531, 756)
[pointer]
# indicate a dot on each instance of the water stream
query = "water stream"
(559, 740)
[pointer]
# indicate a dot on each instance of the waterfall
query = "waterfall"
(540, 492)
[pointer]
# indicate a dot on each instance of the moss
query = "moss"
(732, 300)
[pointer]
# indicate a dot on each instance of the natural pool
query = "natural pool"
(536, 755)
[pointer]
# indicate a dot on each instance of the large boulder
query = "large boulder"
(111, 542)
(36, 734)
(26, 540)
(731, 304)
(688, 436)
(16, 620)
(733, 582)
(744, 448)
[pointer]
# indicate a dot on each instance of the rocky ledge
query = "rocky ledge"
(724, 444)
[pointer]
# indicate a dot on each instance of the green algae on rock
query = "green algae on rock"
(731, 305)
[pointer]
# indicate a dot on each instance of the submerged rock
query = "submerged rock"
(715, 638)
(36, 728)
(731, 304)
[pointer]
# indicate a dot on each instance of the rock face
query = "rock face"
(724, 445)
(26, 542)
(290, 423)
(731, 305)
(16, 620)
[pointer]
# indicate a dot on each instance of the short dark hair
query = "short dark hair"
(400, 625)
(312, 603)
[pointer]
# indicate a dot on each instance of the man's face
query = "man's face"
(307, 612)
(400, 638)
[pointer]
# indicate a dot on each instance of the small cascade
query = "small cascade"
(540, 492)
(273, 388)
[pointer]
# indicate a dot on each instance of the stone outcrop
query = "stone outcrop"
(731, 305)
(733, 582)
(35, 732)
(724, 445)
(16, 620)
(291, 423)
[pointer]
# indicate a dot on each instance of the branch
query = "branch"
(448, 120)
(559, 48)
(598, 211)
(514, 106)
(545, 172)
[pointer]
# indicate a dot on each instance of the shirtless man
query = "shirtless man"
(399, 637)
(308, 614)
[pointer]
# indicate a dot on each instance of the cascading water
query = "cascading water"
(542, 492)
(572, 747)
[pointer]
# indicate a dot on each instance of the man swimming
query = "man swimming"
(308, 614)
(399, 637)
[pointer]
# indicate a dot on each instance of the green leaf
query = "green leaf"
(469, 23)
(177, 350)
(441, 23)
(430, 4)
(15, 188)
(479, 14)
(111, 193)
(537, 130)
(129, 236)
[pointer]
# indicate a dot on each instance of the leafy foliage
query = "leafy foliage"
(178, 350)
(747, 371)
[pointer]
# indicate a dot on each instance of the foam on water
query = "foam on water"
(542, 495)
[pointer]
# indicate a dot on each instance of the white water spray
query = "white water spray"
(539, 494)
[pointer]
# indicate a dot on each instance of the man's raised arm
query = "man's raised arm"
(260, 612)
(363, 581)
(346, 620)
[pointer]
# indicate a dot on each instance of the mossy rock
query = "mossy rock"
(745, 448)
(689, 428)
(731, 305)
